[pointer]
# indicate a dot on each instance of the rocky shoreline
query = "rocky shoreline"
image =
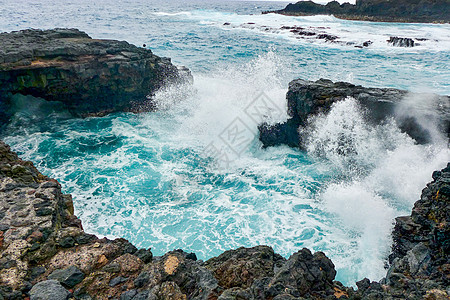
(399, 11)
(45, 254)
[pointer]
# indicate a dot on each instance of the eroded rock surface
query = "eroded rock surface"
(90, 76)
(309, 98)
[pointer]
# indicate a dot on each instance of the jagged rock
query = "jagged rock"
(193, 279)
(142, 279)
(422, 241)
(90, 76)
(304, 274)
(128, 295)
(307, 98)
(49, 289)
(68, 277)
(240, 267)
(145, 255)
(401, 42)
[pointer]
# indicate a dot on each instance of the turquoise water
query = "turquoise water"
(170, 179)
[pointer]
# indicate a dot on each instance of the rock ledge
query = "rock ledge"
(89, 76)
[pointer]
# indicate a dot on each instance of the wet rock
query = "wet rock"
(68, 277)
(117, 280)
(308, 98)
(49, 289)
(401, 42)
(191, 256)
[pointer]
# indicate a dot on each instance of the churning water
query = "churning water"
(178, 178)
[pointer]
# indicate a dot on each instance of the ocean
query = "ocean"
(171, 179)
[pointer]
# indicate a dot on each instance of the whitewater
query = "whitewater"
(169, 180)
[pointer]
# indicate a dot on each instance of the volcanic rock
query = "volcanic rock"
(89, 76)
(308, 98)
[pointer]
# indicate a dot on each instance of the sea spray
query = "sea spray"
(151, 179)
(378, 174)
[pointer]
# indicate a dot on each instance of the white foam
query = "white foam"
(379, 175)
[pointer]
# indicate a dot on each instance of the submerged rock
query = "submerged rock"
(89, 76)
(401, 42)
(49, 289)
(309, 98)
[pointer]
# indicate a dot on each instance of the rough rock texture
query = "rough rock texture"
(44, 251)
(422, 11)
(89, 76)
(421, 247)
(307, 98)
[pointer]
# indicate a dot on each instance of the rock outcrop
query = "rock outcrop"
(308, 98)
(415, 11)
(89, 76)
(401, 42)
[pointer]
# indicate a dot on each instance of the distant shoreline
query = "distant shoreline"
(399, 11)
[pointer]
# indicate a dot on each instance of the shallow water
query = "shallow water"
(182, 178)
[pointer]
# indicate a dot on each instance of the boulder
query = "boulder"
(49, 289)
(68, 277)
(240, 267)
(401, 42)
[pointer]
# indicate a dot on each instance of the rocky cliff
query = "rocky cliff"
(415, 11)
(45, 254)
(307, 98)
(89, 76)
